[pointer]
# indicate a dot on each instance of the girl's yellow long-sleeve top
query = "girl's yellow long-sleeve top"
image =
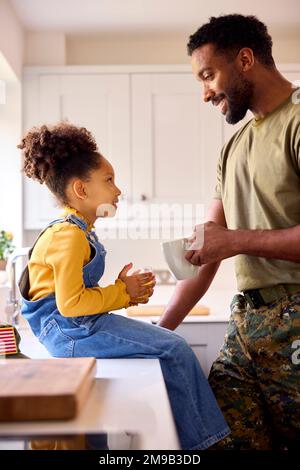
(56, 266)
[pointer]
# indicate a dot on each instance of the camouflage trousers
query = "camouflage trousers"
(256, 378)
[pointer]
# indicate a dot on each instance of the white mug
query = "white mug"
(174, 252)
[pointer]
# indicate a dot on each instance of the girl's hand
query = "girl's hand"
(139, 286)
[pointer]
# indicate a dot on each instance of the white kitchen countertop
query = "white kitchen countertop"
(128, 395)
(218, 302)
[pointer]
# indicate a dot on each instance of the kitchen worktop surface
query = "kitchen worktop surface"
(128, 397)
(217, 301)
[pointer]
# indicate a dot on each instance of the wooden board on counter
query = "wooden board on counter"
(157, 311)
(42, 389)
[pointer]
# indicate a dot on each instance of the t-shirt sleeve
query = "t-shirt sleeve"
(296, 144)
(65, 255)
(293, 130)
(218, 186)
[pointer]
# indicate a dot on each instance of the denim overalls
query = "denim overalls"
(198, 418)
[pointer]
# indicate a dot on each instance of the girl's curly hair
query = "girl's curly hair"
(55, 154)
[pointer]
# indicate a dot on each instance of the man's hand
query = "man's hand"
(218, 245)
(188, 292)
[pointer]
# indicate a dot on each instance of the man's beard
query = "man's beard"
(239, 96)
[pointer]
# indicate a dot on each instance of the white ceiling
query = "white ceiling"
(102, 16)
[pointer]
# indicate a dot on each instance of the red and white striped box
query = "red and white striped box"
(8, 343)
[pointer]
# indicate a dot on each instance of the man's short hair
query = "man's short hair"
(230, 33)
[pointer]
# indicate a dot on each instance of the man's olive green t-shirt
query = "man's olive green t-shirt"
(258, 180)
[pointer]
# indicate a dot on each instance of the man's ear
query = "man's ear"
(246, 59)
(79, 189)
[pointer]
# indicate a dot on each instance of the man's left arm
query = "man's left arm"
(221, 243)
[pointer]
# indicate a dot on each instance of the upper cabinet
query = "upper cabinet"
(98, 102)
(176, 139)
(150, 122)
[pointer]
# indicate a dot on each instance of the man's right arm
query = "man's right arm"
(190, 291)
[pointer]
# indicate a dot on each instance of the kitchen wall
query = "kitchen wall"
(11, 62)
(58, 49)
(10, 159)
(159, 49)
(45, 48)
(11, 38)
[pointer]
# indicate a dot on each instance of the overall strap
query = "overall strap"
(56, 221)
(77, 221)
(24, 279)
(23, 283)
(90, 234)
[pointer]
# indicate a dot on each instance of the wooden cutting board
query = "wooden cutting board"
(38, 389)
(157, 311)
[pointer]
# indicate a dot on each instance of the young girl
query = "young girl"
(66, 308)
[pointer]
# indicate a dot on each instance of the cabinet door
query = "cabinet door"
(205, 339)
(176, 139)
(98, 102)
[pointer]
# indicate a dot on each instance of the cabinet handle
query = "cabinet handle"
(143, 197)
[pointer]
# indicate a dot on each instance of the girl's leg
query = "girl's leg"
(198, 418)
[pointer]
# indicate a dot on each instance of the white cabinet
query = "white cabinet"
(176, 139)
(98, 102)
(205, 339)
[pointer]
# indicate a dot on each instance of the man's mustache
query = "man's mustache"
(217, 99)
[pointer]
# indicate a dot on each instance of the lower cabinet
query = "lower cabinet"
(205, 339)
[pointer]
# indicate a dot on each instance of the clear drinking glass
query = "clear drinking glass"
(146, 269)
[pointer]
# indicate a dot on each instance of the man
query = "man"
(254, 216)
